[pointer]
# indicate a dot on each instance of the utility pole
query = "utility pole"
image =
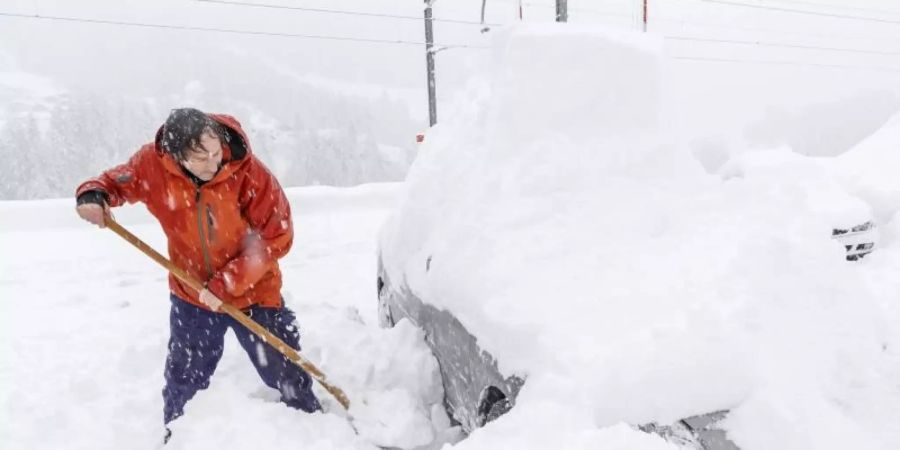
(562, 11)
(429, 63)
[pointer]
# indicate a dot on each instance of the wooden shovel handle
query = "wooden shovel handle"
(235, 313)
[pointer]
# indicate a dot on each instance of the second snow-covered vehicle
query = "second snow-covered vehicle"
(858, 241)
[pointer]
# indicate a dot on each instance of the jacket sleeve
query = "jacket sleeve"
(268, 212)
(123, 183)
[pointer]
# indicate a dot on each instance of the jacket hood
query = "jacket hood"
(236, 150)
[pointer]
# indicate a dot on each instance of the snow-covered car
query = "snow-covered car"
(477, 388)
(585, 282)
(476, 392)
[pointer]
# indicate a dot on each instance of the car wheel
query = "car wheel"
(492, 404)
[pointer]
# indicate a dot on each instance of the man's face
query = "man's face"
(205, 158)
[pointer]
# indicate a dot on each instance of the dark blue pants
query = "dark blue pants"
(196, 344)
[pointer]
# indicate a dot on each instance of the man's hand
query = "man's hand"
(94, 213)
(210, 299)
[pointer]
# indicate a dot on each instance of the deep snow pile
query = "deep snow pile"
(870, 170)
(589, 251)
(84, 326)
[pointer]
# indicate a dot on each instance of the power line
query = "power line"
(803, 11)
(227, 30)
(786, 63)
(707, 24)
(831, 5)
(751, 29)
(343, 12)
(776, 31)
(778, 44)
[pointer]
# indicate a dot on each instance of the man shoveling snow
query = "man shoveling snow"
(227, 221)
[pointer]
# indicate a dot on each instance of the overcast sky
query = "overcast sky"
(145, 60)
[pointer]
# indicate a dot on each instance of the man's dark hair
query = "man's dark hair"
(183, 129)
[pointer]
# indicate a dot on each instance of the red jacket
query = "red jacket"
(228, 233)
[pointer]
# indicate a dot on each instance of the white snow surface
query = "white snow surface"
(592, 251)
(84, 323)
(649, 240)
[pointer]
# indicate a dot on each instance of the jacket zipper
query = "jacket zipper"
(203, 246)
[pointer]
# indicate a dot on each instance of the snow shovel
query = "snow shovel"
(235, 313)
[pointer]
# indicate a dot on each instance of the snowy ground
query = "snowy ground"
(710, 279)
(84, 331)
